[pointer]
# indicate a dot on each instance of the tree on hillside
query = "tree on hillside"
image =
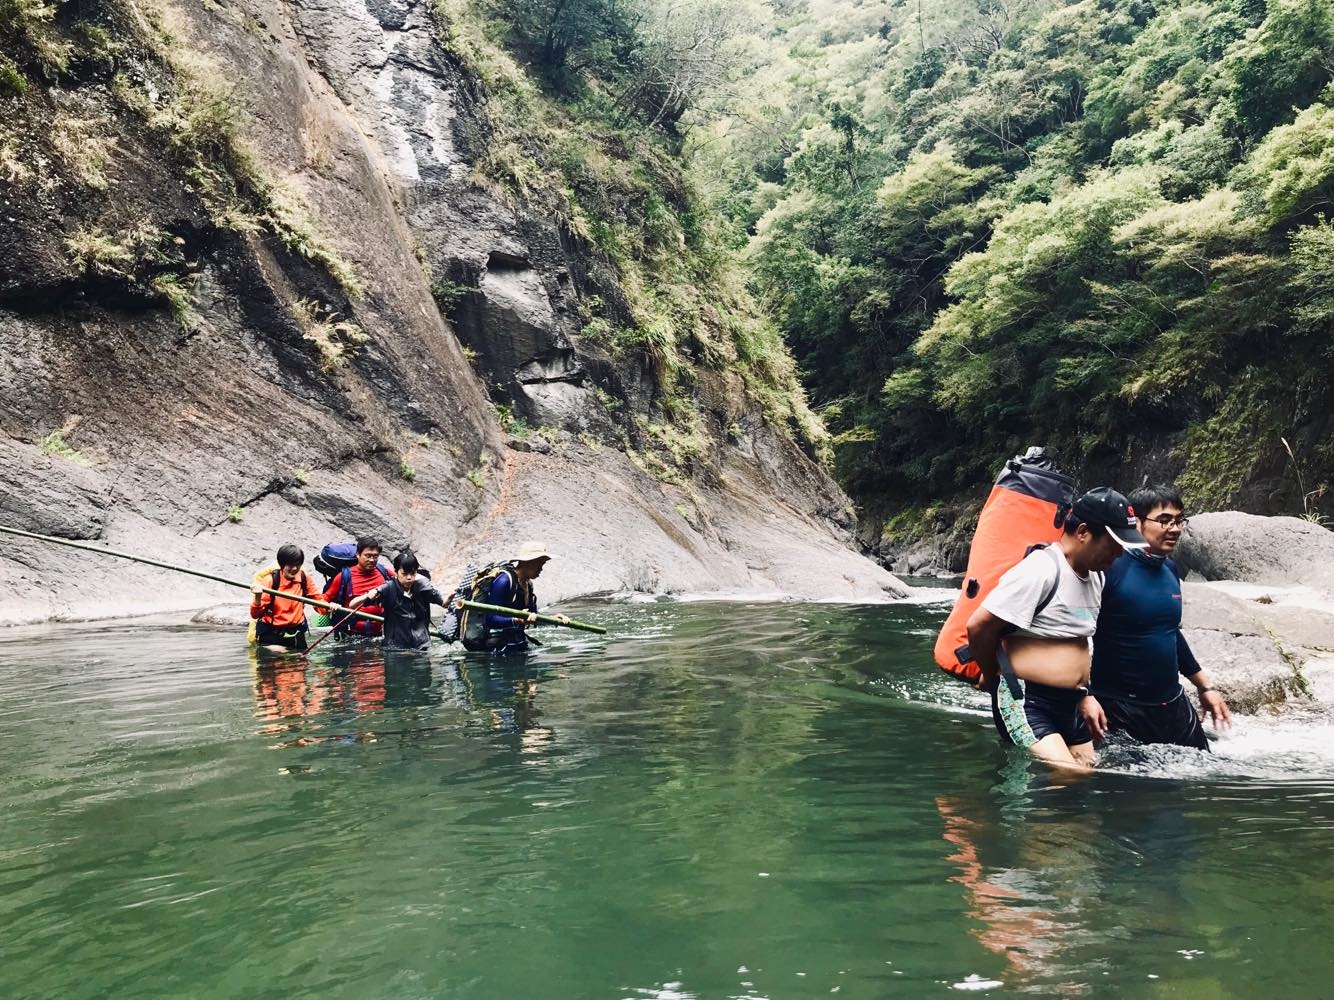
(564, 37)
(686, 55)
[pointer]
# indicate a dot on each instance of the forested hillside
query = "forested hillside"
(978, 224)
(975, 224)
(1096, 224)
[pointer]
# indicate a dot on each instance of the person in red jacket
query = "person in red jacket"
(354, 581)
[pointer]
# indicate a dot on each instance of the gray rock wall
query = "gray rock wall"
(212, 441)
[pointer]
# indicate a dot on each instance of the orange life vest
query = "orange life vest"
(1027, 506)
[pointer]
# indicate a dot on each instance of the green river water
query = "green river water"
(717, 801)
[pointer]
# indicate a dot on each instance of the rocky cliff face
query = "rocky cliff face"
(221, 229)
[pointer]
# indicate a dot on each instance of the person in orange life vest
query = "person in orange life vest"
(354, 581)
(280, 621)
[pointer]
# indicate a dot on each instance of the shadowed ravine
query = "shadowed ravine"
(720, 800)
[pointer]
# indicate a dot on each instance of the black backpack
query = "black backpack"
(459, 623)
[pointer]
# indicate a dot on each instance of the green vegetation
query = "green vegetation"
(332, 336)
(12, 81)
(12, 168)
(406, 472)
(583, 119)
(235, 514)
(30, 23)
(1095, 224)
(175, 291)
(84, 149)
(204, 123)
(449, 295)
(98, 252)
(55, 444)
(511, 423)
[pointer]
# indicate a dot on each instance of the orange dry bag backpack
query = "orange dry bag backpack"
(1027, 507)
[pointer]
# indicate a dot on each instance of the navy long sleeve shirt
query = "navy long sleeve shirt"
(1138, 649)
(506, 592)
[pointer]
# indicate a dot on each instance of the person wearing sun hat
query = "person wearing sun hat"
(512, 587)
(1031, 636)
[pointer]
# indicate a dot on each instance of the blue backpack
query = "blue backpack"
(337, 560)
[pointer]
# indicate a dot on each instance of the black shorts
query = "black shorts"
(289, 638)
(507, 643)
(1174, 721)
(1046, 710)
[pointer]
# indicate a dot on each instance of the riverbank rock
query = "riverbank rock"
(50, 494)
(1259, 654)
(1249, 548)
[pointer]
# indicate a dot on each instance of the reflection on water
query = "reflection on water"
(715, 801)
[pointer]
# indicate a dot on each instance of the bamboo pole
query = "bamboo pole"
(495, 609)
(84, 546)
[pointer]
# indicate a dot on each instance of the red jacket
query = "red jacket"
(361, 582)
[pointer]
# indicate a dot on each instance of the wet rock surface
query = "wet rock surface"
(1258, 653)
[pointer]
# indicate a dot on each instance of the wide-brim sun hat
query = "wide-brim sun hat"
(529, 551)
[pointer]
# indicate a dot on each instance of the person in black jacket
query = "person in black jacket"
(407, 604)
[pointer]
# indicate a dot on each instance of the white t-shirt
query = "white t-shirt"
(1073, 610)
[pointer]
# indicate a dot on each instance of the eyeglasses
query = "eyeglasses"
(1166, 521)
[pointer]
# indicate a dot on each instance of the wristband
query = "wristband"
(1084, 692)
(1207, 690)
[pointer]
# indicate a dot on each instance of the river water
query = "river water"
(719, 800)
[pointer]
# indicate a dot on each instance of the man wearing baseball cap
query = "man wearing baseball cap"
(1031, 634)
(512, 587)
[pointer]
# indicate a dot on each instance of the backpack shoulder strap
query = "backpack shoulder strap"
(273, 599)
(1049, 592)
(344, 584)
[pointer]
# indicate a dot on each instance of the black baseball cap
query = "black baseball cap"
(1103, 507)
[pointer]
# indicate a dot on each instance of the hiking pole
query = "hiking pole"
(325, 605)
(311, 648)
(545, 619)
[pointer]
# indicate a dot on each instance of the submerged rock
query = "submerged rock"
(223, 614)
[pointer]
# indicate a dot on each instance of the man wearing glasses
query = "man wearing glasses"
(1138, 648)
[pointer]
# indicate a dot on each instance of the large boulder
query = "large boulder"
(1274, 551)
(1259, 653)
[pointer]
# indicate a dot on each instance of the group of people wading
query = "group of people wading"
(402, 596)
(1082, 637)
(1078, 639)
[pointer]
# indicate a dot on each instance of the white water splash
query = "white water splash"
(976, 982)
(1295, 746)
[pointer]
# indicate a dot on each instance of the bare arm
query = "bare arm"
(1210, 700)
(985, 632)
